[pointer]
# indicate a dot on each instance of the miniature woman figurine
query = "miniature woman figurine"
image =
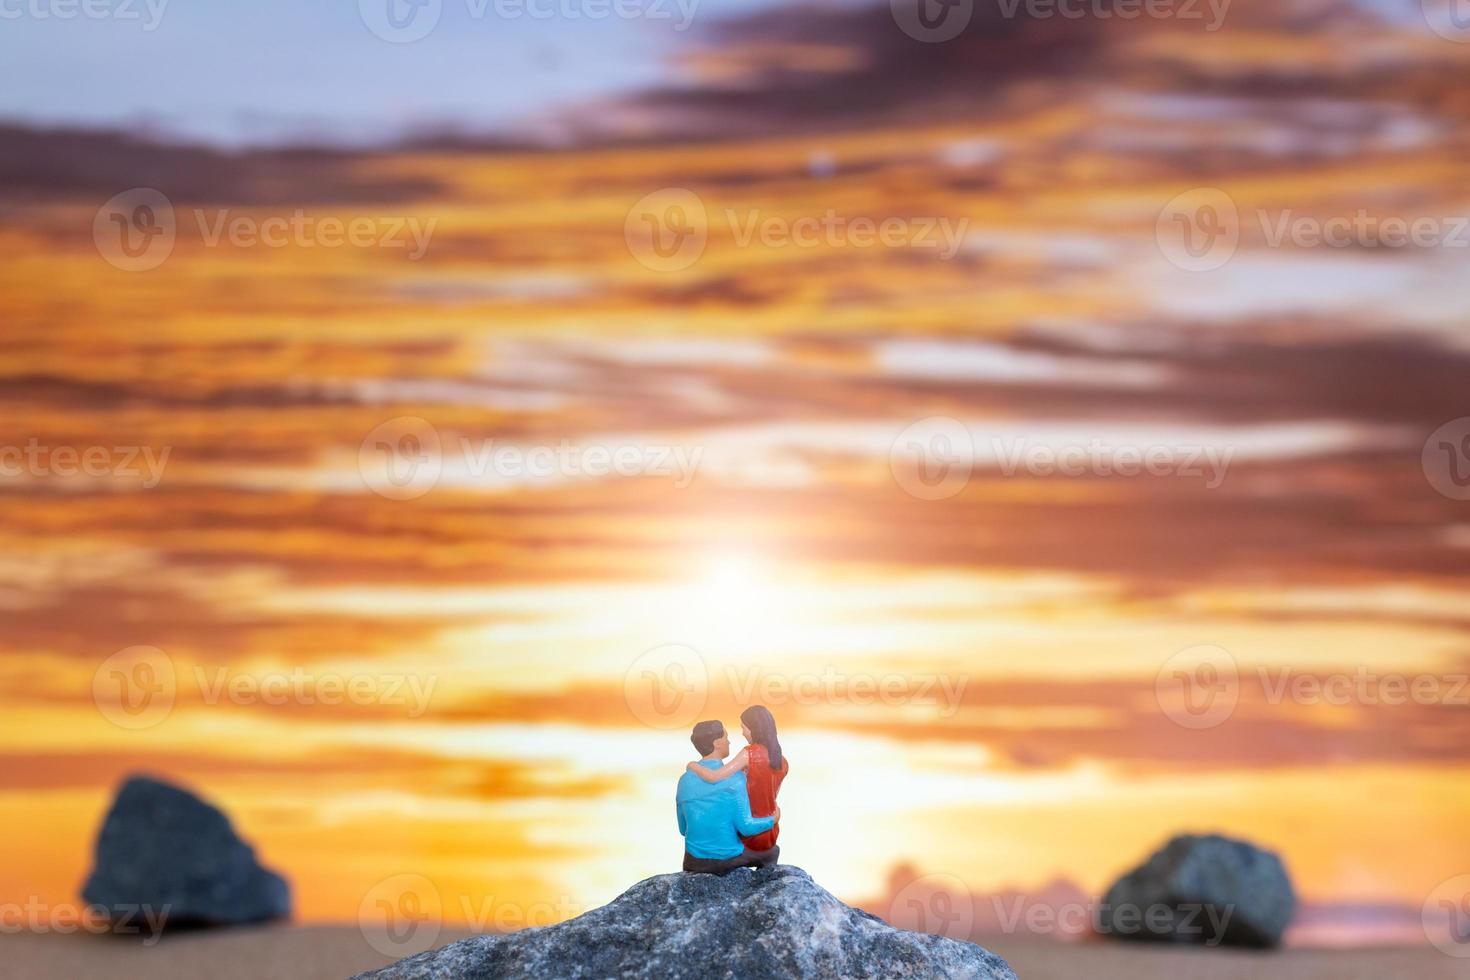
(764, 766)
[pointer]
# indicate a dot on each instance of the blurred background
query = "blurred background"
(417, 415)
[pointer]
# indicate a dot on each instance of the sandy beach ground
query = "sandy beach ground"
(336, 952)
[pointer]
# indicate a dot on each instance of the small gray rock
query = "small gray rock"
(1207, 890)
(164, 850)
(766, 923)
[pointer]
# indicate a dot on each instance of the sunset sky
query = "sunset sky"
(982, 685)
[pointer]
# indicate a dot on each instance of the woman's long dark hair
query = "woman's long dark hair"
(762, 727)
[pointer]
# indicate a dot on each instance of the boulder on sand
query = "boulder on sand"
(1208, 890)
(163, 849)
(768, 922)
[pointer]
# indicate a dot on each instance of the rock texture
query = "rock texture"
(767, 923)
(1207, 890)
(164, 849)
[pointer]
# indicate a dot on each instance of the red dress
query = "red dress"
(762, 784)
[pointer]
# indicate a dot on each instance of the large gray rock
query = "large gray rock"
(164, 850)
(771, 922)
(1206, 890)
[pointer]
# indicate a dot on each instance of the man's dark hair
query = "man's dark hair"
(704, 736)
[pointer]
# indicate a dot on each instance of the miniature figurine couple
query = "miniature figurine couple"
(728, 813)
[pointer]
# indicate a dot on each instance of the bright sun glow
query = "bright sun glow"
(736, 603)
(737, 579)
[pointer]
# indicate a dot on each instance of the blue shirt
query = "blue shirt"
(714, 816)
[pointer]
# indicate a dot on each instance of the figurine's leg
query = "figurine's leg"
(762, 859)
(713, 866)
